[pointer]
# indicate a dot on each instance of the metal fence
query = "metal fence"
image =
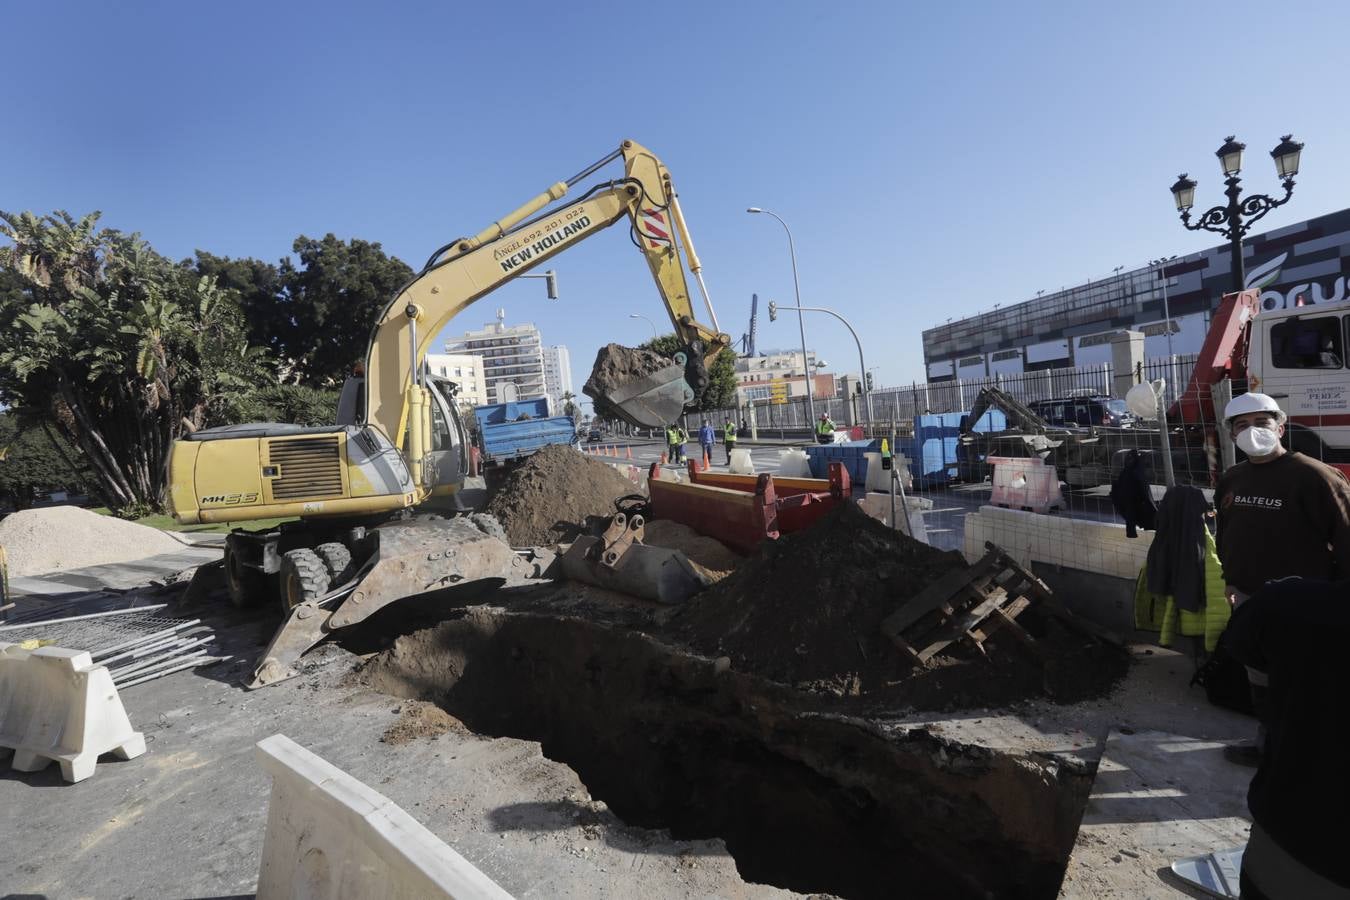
(901, 404)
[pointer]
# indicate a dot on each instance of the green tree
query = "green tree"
(569, 408)
(329, 304)
(34, 458)
(259, 289)
(118, 349)
(297, 404)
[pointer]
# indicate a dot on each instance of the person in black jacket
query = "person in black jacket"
(1298, 800)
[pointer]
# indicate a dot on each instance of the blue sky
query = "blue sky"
(931, 161)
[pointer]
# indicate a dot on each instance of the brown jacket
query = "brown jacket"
(1290, 516)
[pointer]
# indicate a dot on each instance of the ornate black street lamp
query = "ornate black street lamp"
(1234, 219)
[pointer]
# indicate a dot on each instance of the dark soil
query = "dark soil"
(548, 498)
(616, 365)
(807, 612)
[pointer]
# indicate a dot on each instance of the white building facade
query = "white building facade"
(557, 376)
(759, 378)
(465, 371)
(512, 359)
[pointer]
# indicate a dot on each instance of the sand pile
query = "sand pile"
(808, 609)
(549, 496)
(58, 538)
(709, 556)
(419, 719)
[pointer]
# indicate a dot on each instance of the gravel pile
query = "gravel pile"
(58, 538)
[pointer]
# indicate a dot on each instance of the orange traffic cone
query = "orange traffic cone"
(611, 451)
(707, 461)
(628, 452)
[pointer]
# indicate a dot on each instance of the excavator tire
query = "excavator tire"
(337, 559)
(304, 577)
(245, 585)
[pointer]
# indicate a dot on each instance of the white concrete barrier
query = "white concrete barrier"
(878, 506)
(329, 837)
(56, 705)
(879, 479)
(1100, 547)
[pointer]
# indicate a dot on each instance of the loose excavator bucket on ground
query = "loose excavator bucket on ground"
(412, 558)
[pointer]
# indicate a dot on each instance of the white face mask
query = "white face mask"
(1258, 441)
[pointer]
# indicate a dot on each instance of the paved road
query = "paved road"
(765, 458)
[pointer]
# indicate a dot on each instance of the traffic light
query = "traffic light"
(773, 310)
(869, 382)
(551, 283)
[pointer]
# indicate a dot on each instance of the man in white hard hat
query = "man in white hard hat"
(1281, 513)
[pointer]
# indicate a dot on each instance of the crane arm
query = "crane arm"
(468, 269)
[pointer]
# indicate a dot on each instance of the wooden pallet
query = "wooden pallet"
(972, 605)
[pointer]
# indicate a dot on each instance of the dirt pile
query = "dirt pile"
(807, 611)
(419, 719)
(549, 496)
(617, 365)
(709, 556)
(58, 538)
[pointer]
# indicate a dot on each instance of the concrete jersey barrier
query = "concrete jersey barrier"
(57, 706)
(329, 836)
(1028, 537)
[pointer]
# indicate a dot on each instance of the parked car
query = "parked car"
(1084, 412)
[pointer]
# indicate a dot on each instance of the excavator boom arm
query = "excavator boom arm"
(471, 268)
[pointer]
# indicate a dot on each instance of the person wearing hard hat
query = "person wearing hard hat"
(1280, 514)
(825, 429)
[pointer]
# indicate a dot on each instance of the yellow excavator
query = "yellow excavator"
(398, 445)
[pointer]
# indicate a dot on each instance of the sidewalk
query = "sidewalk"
(117, 576)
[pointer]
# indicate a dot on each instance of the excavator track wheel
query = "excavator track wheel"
(304, 577)
(244, 584)
(337, 559)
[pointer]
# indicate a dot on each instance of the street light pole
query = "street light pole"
(655, 336)
(1236, 217)
(801, 325)
(1167, 313)
(862, 363)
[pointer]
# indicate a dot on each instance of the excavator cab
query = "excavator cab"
(447, 460)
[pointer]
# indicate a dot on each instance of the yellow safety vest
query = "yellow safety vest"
(826, 427)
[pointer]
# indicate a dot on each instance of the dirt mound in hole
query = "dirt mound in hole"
(807, 611)
(419, 719)
(549, 496)
(709, 556)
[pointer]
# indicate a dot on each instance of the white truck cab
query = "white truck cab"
(1300, 358)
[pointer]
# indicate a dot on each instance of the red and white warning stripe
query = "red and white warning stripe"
(652, 223)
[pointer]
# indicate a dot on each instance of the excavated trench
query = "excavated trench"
(803, 799)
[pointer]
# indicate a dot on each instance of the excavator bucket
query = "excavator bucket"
(654, 400)
(640, 386)
(413, 558)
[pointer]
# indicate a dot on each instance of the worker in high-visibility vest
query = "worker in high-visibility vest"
(825, 430)
(673, 444)
(729, 438)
